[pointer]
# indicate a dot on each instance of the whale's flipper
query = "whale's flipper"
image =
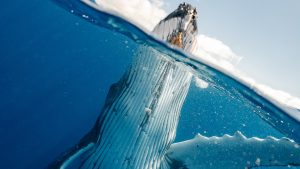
(72, 156)
(234, 152)
(76, 154)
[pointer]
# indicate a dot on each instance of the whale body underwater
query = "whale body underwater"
(137, 125)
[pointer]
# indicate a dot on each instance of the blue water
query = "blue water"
(56, 69)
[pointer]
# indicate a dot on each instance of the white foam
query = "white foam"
(201, 83)
(147, 13)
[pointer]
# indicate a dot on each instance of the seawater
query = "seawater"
(56, 70)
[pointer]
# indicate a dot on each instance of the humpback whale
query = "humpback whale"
(137, 124)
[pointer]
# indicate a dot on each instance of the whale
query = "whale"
(137, 125)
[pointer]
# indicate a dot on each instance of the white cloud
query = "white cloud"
(278, 96)
(215, 52)
(158, 3)
(219, 55)
(147, 13)
(215, 49)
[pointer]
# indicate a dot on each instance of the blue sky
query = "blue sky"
(265, 33)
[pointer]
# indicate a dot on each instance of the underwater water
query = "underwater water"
(56, 70)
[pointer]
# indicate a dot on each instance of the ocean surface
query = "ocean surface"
(56, 69)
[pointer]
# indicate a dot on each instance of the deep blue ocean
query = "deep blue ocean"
(56, 69)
